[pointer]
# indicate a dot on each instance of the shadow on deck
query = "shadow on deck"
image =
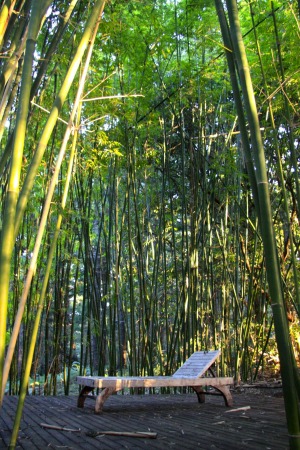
(179, 421)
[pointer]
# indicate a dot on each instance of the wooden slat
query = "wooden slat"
(197, 364)
(119, 383)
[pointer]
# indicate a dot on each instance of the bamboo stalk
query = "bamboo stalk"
(5, 13)
(57, 106)
(266, 227)
(24, 384)
(7, 234)
(59, 428)
(137, 434)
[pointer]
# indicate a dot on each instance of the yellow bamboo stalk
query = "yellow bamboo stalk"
(43, 222)
(5, 14)
(8, 229)
(54, 114)
(42, 226)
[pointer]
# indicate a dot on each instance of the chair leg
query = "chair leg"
(225, 391)
(102, 397)
(82, 396)
(200, 394)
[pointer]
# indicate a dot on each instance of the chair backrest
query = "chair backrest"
(197, 364)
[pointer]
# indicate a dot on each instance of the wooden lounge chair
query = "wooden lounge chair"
(188, 375)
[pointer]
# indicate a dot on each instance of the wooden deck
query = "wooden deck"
(179, 421)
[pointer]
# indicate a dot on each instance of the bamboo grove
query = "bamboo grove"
(133, 226)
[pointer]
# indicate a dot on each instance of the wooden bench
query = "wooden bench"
(188, 375)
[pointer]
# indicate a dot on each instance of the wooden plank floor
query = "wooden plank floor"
(179, 421)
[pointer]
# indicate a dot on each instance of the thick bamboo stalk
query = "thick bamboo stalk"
(53, 46)
(57, 106)
(46, 209)
(291, 136)
(5, 13)
(7, 234)
(280, 170)
(266, 227)
(16, 51)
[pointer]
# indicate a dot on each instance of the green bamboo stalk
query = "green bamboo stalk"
(144, 298)
(165, 161)
(15, 206)
(82, 326)
(5, 109)
(53, 46)
(133, 340)
(15, 58)
(280, 169)
(278, 154)
(57, 106)
(117, 280)
(84, 202)
(69, 244)
(46, 208)
(266, 227)
(109, 252)
(291, 137)
(43, 222)
(8, 229)
(74, 310)
(237, 99)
